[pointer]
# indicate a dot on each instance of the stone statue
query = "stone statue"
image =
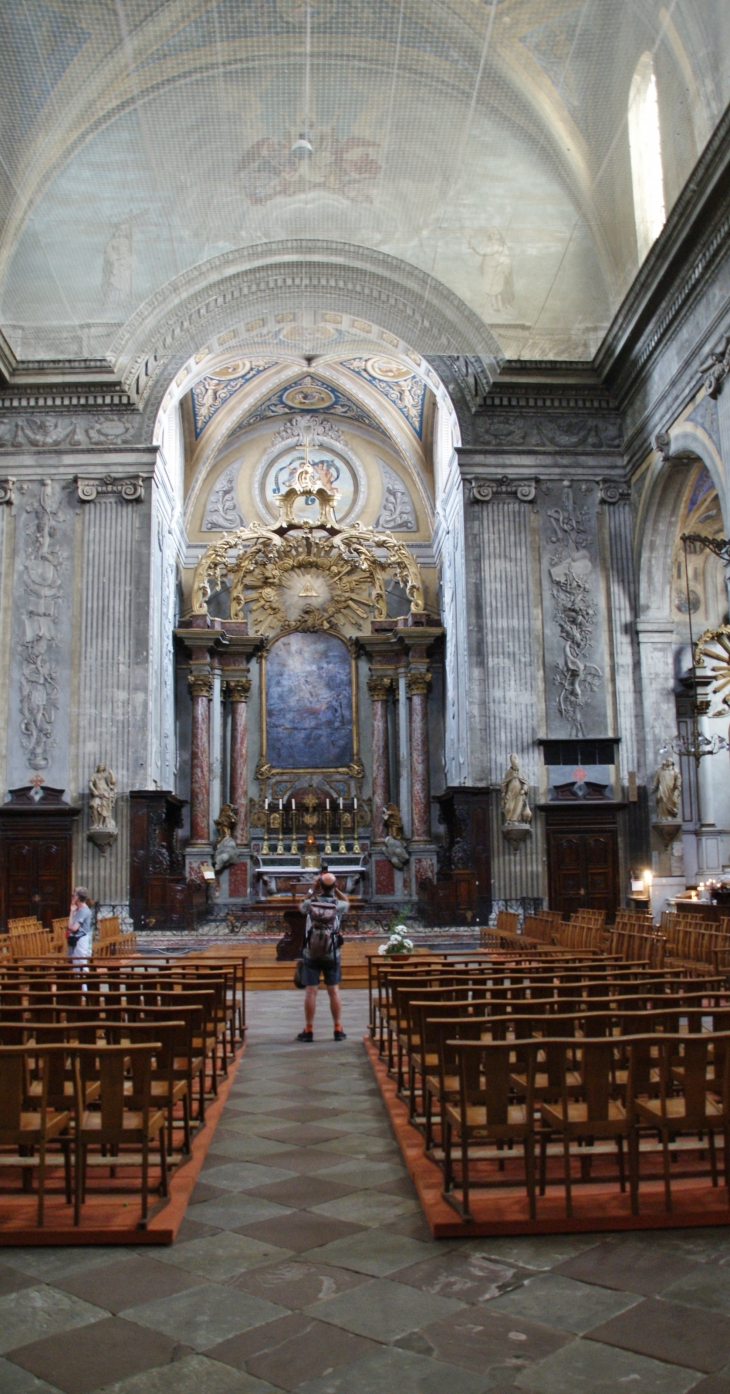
(396, 852)
(103, 790)
(393, 821)
(515, 795)
(226, 820)
(226, 852)
(668, 789)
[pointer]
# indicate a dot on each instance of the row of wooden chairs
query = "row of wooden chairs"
(110, 942)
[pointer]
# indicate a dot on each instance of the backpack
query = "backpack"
(322, 938)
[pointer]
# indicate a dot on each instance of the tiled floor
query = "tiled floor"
(303, 1264)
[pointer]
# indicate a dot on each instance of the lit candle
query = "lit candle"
(266, 805)
(340, 805)
(355, 803)
(328, 804)
(293, 806)
(281, 804)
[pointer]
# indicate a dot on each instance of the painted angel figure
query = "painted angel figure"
(103, 790)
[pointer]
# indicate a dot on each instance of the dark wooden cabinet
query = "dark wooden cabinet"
(159, 897)
(583, 863)
(462, 892)
(36, 855)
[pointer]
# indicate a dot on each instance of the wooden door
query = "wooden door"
(583, 868)
(37, 877)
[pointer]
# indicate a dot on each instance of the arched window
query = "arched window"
(645, 144)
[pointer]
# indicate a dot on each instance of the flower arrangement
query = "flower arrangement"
(399, 943)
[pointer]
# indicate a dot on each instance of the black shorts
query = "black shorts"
(312, 967)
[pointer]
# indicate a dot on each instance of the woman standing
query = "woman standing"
(78, 934)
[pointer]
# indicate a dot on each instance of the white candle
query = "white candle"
(328, 804)
(281, 804)
(293, 806)
(355, 803)
(340, 805)
(266, 804)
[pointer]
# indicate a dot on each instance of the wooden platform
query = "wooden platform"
(111, 1214)
(597, 1206)
(264, 973)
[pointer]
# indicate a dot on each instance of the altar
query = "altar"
(304, 698)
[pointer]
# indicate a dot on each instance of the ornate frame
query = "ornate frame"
(355, 769)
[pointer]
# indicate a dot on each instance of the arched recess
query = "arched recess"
(244, 292)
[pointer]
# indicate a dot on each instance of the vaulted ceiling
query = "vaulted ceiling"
(481, 144)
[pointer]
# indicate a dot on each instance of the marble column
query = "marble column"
(418, 683)
(379, 688)
(201, 691)
(238, 691)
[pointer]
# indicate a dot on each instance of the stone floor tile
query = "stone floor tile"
(304, 1113)
(300, 1230)
(12, 1279)
(306, 1160)
(130, 1281)
(564, 1303)
(412, 1226)
(196, 1374)
(584, 1367)
(670, 1331)
(243, 1146)
(541, 1251)
(235, 1209)
(359, 1144)
(471, 1277)
(368, 1208)
(301, 1134)
(376, 1252)
(222, 1255)
(192, 1229)
(251, 1085)
(487, 1340)
(205, 1315)
(268, 1106)
(714, 1384)
(628, 1265)
(35, 1312)
(290, 1351)
(383, 1310)
(90, 1357)
(204, 1190)
(47, 1264)
(365, 1173)
(302, 1192)
(243, 1176)
(14, 1380)
(391, 1371)
(707, 1286)
(296, 1283)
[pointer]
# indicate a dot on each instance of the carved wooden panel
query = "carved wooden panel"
(583, 863)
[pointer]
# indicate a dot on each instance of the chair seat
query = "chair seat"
(30, 1128)
(675, 1110)
(578, 1114)
(476, 1117)
(542, 1082)
(451, 1084)
(132, 1124)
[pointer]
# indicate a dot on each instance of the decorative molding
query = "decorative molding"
(42, 573)
(575, 610)
(397, 513)
(200, 684)
(7, 488)
(527, 428)
(130, 489)
(379, 688)
(51, 430)
(239, 689)
(312, 430)
(486, 490)
(662, 443)
(715, 369)
(222, 511)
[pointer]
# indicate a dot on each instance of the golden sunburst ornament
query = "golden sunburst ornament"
(712, 651)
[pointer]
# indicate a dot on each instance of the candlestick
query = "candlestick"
(342, 847)
(294, 848)
(280, 841)
(356, 845)
(265, 844)
(327, 843)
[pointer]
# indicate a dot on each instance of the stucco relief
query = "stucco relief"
(572, 579)
(43, 431)
(42, 583)
(222, 511)
(397, 513)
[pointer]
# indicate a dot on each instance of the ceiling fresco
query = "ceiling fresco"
(482, 142)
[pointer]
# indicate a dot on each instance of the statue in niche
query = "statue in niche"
(103, 791)
(226, 852)
(668, 789)
(394, 845)
(515, 796)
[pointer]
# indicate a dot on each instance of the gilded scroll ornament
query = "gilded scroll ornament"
(712, 651)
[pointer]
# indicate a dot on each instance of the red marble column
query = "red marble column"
(418, 684)
(379, 689)
(238, 690)
(201, 691)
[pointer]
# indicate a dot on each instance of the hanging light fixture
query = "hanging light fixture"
(302, 149)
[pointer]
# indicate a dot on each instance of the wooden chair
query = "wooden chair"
(120, 1120)
(485, 1114)
(24, 1129)
(595, 1115)
(685, 1104)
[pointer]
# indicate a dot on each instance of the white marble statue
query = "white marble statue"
(103, 791)
(396, 852)
(515, 795)
(668, 789)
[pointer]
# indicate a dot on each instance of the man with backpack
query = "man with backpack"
(321, 954)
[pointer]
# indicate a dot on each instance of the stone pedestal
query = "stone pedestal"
(201, 691)
(238, 691)
(379, 689)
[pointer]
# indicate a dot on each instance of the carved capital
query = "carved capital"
(662, 444)
(239, 689)
(716, 368)
(485, 490)
(200, 684)
(130, 490)
(610, 491)
(7, 485)
(418, 683)
(379, 687)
